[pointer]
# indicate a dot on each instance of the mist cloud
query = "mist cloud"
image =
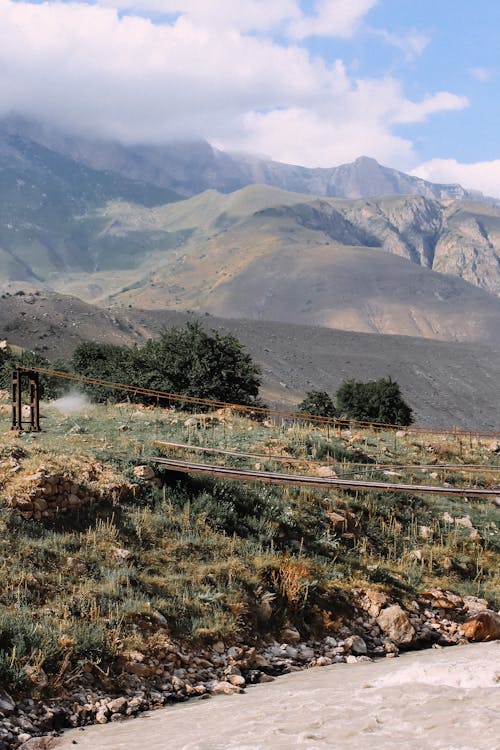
(209, 70)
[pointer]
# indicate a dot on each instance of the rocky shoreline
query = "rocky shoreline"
(172, 672)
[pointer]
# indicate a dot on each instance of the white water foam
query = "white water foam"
(459, 673)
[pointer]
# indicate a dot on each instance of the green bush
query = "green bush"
(318, 404)
(374, 401)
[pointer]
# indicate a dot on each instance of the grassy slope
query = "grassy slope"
(203, 556)
(47, 212)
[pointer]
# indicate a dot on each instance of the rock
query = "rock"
(394, 622)
(7, 704)
(141, 670)
(144, 472)
(290, 635)
(225, 687)
(237, 680)
(355, 644)
(442, 599)
(101, 716)
(351, 659)
(494, 447)
(325, 471)
(339, 522)
(447, 518)
(473, 604)
(485, 626)
(374, 601)
(266, 678)
(465, 521)
(117, 705)
(39, 743)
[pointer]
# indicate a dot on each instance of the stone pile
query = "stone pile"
(170, 672)
(46, 495)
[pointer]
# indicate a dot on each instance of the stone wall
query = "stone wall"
(46, 495)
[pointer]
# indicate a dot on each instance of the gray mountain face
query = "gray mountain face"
(192, 167)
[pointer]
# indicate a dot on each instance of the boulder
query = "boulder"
(290, 635)
(144, 472)
(39, 743)
(374, 601)
(485, 626)
(7, 704)
(355, 644)
(473, 604)
(394, 622)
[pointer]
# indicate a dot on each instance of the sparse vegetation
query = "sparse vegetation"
(196, 557)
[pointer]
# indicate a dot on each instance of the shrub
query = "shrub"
(373, 401)
(317, 403)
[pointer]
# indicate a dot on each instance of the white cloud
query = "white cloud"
(245, 15)
(442, 101)
(481, 74)
(88, 69)
(412, 43)
(483, 175)
(300, 136)
(332, 18)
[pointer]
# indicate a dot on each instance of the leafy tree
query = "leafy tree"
(374, 401)
(188, 361)
(192, 362)
(118, 364)
(317, 403)
(50, 387)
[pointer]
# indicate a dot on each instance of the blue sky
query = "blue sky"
(413, 83)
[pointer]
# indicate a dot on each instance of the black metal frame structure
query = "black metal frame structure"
(18, 376)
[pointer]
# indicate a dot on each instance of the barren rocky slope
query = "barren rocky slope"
(446, 383)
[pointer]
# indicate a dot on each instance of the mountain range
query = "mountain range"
(112, 224)
(192, 167)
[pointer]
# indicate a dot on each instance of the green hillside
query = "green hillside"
(49, 212)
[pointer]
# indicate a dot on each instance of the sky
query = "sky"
(414, 84)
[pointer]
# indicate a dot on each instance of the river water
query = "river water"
(445, 699)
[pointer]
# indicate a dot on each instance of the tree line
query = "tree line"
(191, 362)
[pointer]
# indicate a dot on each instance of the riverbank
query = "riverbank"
(437, 699)
(171, 673)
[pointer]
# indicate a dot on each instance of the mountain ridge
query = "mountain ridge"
(191, 167)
